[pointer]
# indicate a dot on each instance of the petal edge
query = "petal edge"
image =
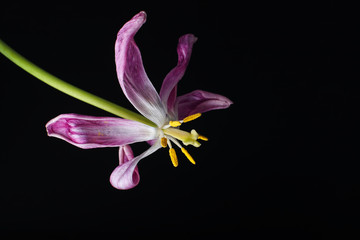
(131, 73)
(169, 85)
(199, 101)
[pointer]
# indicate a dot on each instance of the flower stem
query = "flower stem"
(69, 89)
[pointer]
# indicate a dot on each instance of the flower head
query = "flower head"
(166, 110)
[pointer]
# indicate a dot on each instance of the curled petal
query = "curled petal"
(169, 86)
(126, 155)
(199, 102)
(93, 132)
(124, 176)
(131, 73)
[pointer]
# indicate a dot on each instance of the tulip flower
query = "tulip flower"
(162, 113)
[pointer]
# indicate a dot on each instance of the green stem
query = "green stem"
(69, 89)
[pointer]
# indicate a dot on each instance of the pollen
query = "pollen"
(185, 152)
(191, 117)
(173, 157)
(175, 123)
(201, 137)
(163, 142)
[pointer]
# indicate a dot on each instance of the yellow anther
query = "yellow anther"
(173, 157)
(174, 123)
(201, 137)
(163, 142)
(191, 117)
(188, 155)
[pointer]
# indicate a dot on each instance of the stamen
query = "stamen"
(174, 123)
(169, 143)
(163, 142)
(173, 157)
(187, 119)
(188, 155)
(174, 141)
(201, 137)
(191, 117)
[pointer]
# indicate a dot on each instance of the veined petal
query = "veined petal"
(93, 132)
(131, 73)
(169, 86)
(199, 102)
(124, 176)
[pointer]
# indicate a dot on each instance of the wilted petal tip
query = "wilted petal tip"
(126, 175)
(199, 101)
(131, 73)
(93, 132)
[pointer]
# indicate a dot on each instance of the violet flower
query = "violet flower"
(165, 110)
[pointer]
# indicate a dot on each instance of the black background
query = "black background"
(281, 161)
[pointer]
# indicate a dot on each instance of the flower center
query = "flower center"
(171, 134)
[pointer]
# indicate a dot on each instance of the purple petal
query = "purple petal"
(152, 142)
(124, 176)
(131, 73)
(199, 102)
(93, 132)
(126, 155)
(169, 86)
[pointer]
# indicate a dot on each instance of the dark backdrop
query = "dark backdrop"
(281, 161)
